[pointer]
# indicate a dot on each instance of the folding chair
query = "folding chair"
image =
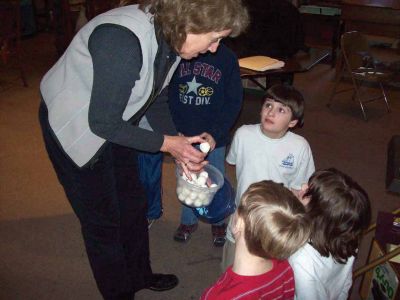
(360, 66)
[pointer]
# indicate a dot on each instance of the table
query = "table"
(298, 63)
(322, 26)
(374, 17)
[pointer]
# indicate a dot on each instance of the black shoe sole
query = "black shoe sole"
(173, 282)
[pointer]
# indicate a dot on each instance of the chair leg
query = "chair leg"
(337, 81)
(384, 96)
(358, 96)
(21, 69)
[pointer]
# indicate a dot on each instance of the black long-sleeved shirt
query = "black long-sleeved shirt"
(113, 83)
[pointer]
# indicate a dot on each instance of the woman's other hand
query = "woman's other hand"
(180, 147)
(209, 139)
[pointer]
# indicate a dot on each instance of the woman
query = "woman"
(113, 73)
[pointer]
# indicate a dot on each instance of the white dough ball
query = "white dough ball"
(205, 147)
(213, 185)
(179, 190)
(192, 182)
(203, 174)
(193, 195)
(197, 203)
(185, 191)
(181, 197)
(206, 201)
(203, 196)
(201, 180)
(188, 201)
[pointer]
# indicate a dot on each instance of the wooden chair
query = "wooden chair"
(65, 15)
(10, 34)
(377, 256)
(358, 65)
(96, 7)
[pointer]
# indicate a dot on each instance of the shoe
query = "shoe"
(218, 234)
(163, 282)
(184, 232)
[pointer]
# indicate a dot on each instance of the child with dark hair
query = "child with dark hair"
(339, 210)
(269, 150)
(269, 225)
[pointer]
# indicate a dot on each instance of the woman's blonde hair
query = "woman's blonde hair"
(177, 18)
(275, 221)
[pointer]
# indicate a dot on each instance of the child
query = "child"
(269, 225)
(205, 96)
(269, 150)
(339, 211)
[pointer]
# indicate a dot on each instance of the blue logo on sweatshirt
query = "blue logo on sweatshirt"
(288, 162)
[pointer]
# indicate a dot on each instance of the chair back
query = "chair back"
(355, 49)
(96, 7)
(10, 34)
(10, 20)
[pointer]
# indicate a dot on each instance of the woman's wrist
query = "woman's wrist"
(165, 144)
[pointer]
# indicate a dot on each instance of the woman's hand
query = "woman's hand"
(209, 139)
(180, 147)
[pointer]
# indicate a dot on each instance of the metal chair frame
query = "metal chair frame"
(354, 48)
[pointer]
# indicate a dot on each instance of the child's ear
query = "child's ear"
(238, 224)
(293, 123)
(304, 200)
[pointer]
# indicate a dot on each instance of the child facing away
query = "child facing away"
(339, 210)
(269, 150)
(269, 225)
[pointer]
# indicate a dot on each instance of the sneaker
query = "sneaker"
(184, 232)
(218, 234)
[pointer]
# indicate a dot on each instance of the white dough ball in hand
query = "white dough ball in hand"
(205, 147)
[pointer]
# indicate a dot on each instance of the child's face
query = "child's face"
(276, 119)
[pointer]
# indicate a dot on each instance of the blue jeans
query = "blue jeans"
(217, 159)
(150, 168)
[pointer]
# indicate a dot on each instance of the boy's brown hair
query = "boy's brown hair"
(339, 211)
(179, 17)
(275, 222)
(289, 96)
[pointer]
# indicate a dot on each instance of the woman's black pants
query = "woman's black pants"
(110, 203)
